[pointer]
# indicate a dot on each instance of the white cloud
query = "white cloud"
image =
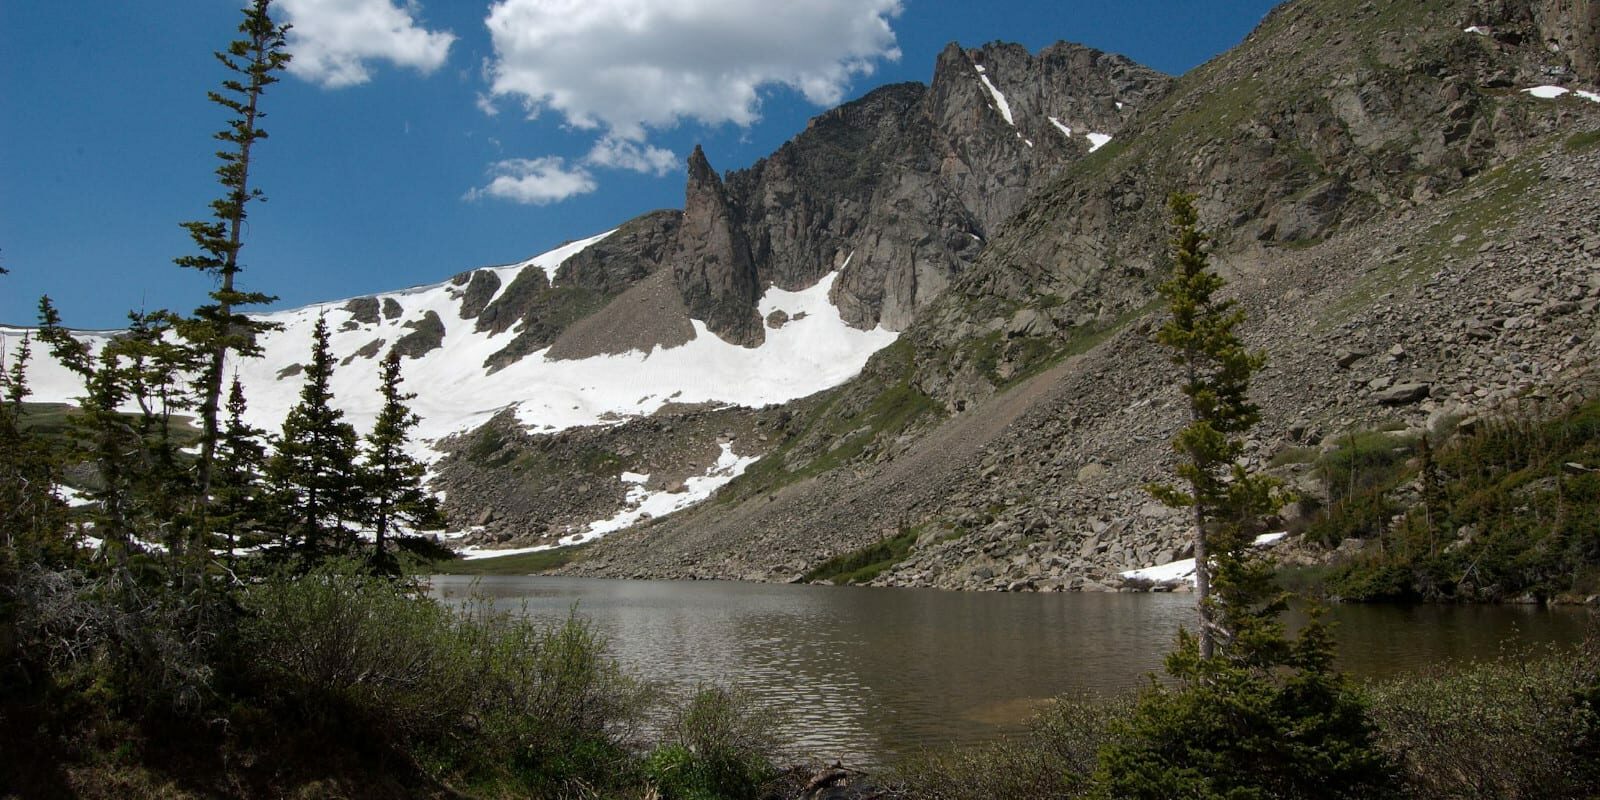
(535, 181)
(487, 106)
(333, 40)
(622, 154)
(625, 65)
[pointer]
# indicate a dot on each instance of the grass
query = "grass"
(53, 421)
(1293, 455)
(864, 564)
(1497, 196)
(519, 564)
(1578, 142)
(842, 425)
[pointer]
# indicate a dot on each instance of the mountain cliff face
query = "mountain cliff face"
(901, 189)
(1409, 230)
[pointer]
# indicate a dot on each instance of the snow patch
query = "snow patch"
(646, 504)
(551, 261)
(1547, 92)
(1553, 92)
(642, 503)
(1000, 103)
(1065, 131)
(1097, 140)
(72, 497)
(474, 553)
(816, 350)
(1478, 29)
(1183, 569)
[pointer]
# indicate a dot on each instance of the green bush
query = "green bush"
(142, 649)
(1521, 726)
(1363, 515)
(1515, 727)
(717, 746)
(1363, 461)
(1272, 720)
(864, 564)
(1499, 515)
(343, 647)
(477, 695)
(1055, 757)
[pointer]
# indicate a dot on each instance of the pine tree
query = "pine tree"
(392, 479)
(1253, 714)
(313, 468)
(1222, 496)
(237, 503)
(32, 517)
(103, 436)
(153, 366)
(218, 327)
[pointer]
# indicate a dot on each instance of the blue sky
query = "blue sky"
(419, 139)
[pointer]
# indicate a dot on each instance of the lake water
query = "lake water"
(862, 674)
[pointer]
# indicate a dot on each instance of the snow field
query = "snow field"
(1183, 570)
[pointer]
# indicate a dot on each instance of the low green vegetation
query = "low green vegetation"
(519, 564)
(1474, 218)
(1578, 142)
(842, 426)
(864, 564)
(53, 421)
(339, 682)
(716, 745)
(1508, 508)
(1526, 725)
(1056, 757)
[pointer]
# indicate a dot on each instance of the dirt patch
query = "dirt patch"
(649, 314)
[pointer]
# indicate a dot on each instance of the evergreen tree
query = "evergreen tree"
(1223, 497)
(1253, 713)
(237, 502)
(103, 436)
(392, 479)
(153, 365)
(313, 469)
(218, 327)
(32, 517)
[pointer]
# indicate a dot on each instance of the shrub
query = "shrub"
(1055, 757)
(1515, 727)
(344, 648)
(717, 745)
(478, 695)
(1500, 515)
(1269, 720)
(142, 649)
(549, 701)
(1363, 461)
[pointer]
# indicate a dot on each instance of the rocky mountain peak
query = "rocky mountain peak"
(711, 265)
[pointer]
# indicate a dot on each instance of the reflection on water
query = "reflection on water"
(865, 673)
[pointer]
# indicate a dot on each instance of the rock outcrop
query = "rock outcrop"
(901, 189)
(712, 266)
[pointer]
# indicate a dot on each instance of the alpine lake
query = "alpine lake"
(861, 675)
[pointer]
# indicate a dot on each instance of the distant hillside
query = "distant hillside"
(1408, 227)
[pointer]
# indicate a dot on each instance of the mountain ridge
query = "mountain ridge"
(1441, 153)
